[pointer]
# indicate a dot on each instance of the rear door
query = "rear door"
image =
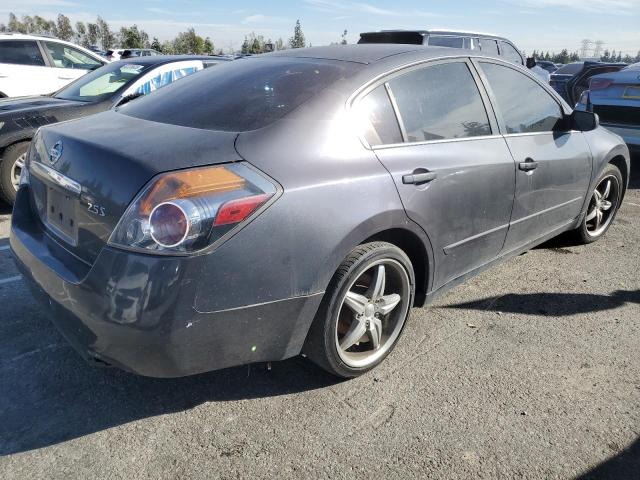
(453, 171)
(553, 163)
(23, 70)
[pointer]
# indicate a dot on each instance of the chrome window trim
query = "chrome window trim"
(394, 106)
(432, 142)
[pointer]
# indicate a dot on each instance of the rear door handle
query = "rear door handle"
(65, 78)
(417, 178)
(528, 165)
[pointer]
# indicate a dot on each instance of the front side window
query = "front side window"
(21, 52)
(377, 118)
(488, 45)
(510, 53)
(446, 41)
(526, 107)
(64, 56)
(440, 102)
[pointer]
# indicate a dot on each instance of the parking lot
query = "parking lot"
(530, 370)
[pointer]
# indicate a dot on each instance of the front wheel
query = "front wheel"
(364, 310)
(603, 206)
(11, 165)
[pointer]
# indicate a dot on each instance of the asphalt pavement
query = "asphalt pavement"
(531, 370)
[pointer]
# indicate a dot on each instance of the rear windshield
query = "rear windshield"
(242, 95)
(569, 69)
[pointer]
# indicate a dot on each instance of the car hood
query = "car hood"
(28, 104)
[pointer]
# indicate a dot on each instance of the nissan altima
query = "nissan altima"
(301, 202)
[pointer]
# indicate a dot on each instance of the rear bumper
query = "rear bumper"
(138, 312)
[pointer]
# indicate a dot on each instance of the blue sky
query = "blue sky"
(531, 24)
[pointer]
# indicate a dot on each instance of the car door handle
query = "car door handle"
(418, 178)
(528, 165)
(65, 78)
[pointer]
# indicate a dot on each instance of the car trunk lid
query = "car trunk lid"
(104, 161)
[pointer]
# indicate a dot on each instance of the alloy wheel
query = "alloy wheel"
(372, 313)
(602, 206)
(16, 170)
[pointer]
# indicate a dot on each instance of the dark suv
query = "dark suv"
(491, 44)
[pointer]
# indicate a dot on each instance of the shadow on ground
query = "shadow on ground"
(624, 465)
(552, 304)
(39, 408)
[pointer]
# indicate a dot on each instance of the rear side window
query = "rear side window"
(380, 122)
(510, 53)
(525, 106)
(446, 41)
(64, 56)
(440, 102)
(489, 46)
(242, 95)
(21, 52)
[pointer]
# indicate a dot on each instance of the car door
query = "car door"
(23, 70)
(452, 169)
(68, 63)
(553, 162)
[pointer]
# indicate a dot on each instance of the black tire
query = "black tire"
(11, 154)
(586, 233)
(321, 345)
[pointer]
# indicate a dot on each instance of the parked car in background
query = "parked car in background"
(547, 65)
(102, 89)
(37, 65)
(122, 53)
(572, 79)
(300, 201)
(486, 43)
(615, 97)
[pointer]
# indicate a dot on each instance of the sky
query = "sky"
(530, 24)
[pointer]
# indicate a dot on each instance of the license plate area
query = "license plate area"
(61, 215)
(632, 93)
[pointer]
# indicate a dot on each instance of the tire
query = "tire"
(604, 206)
(11, 155)
(384, 307)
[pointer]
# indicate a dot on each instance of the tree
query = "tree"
(297, 41)
(188, 42)
(637, 59)
(343, 40)
(606, 56)
(92, 33)
(15, 25)
(619, 57)
(574, 57)
(155, 44)
(107, 38)
(81, 33)
(279, 45)
(65, 31)
(208, 46)
(132, 37)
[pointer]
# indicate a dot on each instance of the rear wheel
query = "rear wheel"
(11, 167)
(603, 206)
(364, 310)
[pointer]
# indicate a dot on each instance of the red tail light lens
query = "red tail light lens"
(187, 211)
(599, 83)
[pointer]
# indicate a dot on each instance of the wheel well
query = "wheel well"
(620, 162)
(410, 244)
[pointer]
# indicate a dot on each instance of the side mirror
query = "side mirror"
(531, 62)
(584, 121)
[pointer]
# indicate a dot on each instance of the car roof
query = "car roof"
(27, 36)
(160, 59)
(443, 32)
(369, 53)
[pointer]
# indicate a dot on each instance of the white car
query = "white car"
(123, 53)
(38, 65)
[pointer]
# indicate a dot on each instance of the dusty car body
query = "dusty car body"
(307, 210)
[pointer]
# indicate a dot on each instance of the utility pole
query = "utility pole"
(597, 51)
(584, 51)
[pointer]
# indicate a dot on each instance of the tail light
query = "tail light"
(187, 211)
(599, 83)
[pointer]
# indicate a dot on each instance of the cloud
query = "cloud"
(614, 7)
(333, 7)
(260, 18)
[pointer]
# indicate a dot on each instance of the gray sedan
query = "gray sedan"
(301, 202)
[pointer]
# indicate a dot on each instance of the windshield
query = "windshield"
(101, 83)
(243, 95)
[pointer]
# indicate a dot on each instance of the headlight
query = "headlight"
(188, 210)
